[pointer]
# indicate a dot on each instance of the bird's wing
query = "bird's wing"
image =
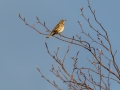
(56, 28)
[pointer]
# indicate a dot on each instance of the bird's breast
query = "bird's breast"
(61, 29)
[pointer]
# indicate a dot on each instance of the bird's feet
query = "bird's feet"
(60, 34)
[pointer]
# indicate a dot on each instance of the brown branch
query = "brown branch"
(47, 79)
(83, 81)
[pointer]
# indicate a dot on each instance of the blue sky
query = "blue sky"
(22, 49)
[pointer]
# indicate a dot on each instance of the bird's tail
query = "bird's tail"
(51, 34)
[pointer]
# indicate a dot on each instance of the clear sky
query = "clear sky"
(22, 49)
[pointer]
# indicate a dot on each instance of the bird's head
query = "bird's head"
(62, 21)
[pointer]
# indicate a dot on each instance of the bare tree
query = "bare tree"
(84, 79)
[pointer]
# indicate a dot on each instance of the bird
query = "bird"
(57, 29)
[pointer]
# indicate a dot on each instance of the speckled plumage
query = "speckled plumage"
(58, 28)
